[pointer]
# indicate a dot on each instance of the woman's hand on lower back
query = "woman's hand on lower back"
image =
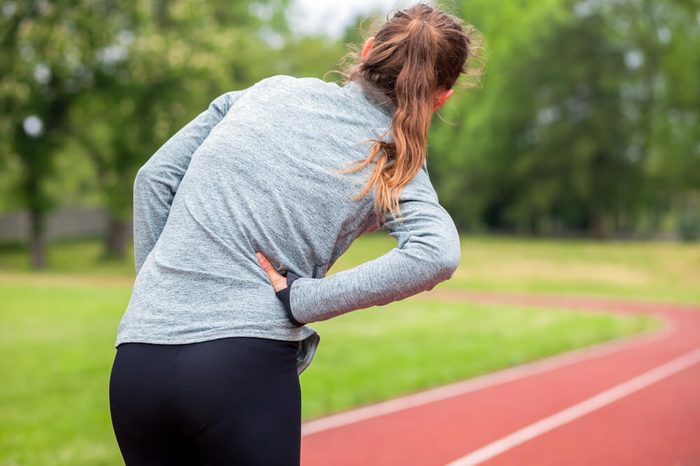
(279, 281)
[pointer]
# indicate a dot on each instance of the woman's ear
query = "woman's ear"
(441, 97)
(365, 48)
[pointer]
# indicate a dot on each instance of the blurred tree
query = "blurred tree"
(663, 100)
(171, 59)
(587, 119)
(472, 157)
(46, 61)
(308, 56)
(573, 163)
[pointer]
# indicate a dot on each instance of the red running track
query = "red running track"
(635, 401)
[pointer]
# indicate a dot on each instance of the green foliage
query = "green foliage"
(50, 56)
(587, 119)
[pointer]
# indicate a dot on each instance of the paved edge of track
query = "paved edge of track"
(663, 310)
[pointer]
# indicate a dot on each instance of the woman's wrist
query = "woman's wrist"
(284, 296)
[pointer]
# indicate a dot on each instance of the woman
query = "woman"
(237, 219)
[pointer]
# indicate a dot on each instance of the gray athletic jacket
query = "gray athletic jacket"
(255, 172)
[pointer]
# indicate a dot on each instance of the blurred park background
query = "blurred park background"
(574, 167)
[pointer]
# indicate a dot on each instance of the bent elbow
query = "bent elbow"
(446, 255)
(450, 258)
(451, 262)
(445, 266)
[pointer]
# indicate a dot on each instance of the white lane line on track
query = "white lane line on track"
(485, 381)
(580, 409)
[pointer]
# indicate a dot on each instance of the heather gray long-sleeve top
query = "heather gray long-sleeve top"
(254, 172)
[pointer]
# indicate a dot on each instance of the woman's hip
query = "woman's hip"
(195, 381)
(224, 399)
(230, 360)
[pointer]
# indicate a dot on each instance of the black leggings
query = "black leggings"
(229, 401)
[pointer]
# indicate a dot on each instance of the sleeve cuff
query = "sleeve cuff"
(283, 295)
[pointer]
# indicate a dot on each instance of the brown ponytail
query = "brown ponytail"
(416, 52)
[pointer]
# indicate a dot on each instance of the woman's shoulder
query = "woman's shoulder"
(297, 81)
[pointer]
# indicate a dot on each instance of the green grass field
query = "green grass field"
(57, 330)
(634, 269)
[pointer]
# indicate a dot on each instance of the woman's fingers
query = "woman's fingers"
(279, 281)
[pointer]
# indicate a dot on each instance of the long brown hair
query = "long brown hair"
(416, 51)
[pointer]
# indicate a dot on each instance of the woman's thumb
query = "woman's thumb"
(279, 281)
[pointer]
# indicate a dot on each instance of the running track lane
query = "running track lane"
(635, 401)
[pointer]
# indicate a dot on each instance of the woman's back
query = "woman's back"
(263, 179)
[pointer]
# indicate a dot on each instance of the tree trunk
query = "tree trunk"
(597, 226)
(37, 239)
(117, 234)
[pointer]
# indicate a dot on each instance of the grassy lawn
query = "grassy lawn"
(634, 269)
(57, 330)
